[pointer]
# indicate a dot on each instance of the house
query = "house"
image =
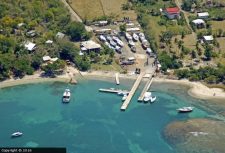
(102, 23)
(172, 12)
(203, 15)
(199, 23)
(103, 31)
(30, 46)
(88, 46)
(208, 39)
(60, 35)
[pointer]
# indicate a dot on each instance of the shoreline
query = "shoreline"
(196, 89)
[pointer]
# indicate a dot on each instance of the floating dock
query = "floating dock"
(132, 92)
(117, 79)
(147, 86)
(112, 90)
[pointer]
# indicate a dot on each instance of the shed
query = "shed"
(54, 59)
(46, 58)
(203, 15)
(90, 46)
(30, 46)
(198, 21)
(49, 42)
(208, 39)
(31, 33)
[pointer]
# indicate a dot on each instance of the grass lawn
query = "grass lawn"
(218, 25)
(92, 9)
(113, 67)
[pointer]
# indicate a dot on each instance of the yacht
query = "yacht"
(66, 96)
(17, 134)
(185, 109)
(128, 36)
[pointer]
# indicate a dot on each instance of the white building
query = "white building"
(30, 46)
(49, 42)
(198, 21)
(87, 46)
(46, 58)
(60, 35)
(203, 15)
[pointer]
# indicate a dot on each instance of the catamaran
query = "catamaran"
(66, 96)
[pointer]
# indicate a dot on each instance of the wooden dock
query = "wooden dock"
(145, 89)
(132, 92)
(117, 79)
(112, 90)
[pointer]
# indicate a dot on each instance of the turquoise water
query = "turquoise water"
(92, 122)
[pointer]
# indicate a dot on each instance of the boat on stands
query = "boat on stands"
(66, 96)
(128, 36)
(135, 37)
(185, 109)
(131, 43)
(17, 134)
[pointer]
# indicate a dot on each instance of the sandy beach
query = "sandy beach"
(197, 89)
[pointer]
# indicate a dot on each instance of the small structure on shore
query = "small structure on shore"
(60, 35)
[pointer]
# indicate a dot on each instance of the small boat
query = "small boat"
(122, 93)
(115, 38)
(131, 43)
(133, 49)
(135, 37)
(109, 38)
(17, 134)
(102, 38)
(66, 96)
(112, 43)
(118, 49)
(141, 35)
(120, 43)
(185, 109)
(152, 99)
(128, 36)
(124, 97)
(147, 96)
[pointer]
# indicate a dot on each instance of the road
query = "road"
(74, 15)
(186, 18)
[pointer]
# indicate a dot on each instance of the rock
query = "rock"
(196, 135)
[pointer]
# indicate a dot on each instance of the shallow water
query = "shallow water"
(92, 122)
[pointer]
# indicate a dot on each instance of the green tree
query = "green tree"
(208, 53)
(67, 50)
(77, 31)
(53, 69)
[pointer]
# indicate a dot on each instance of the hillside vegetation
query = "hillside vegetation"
(96, 9)
(44, 19)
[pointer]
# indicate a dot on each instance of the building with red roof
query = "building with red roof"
(172, 12)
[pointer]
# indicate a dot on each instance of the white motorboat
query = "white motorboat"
(135, 37)
(128, 36)
(112, 43)
(66, 96)
(124, 97)
(185, 109)
(109, 38)
(120, 43)
(118, 49)
(131, 43)
(115, 38)
(147, 96)
(102, 38)
(17, 134)
(122, 93)
(152, 99)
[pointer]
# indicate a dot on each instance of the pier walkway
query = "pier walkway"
(112, 90)
(134, 88)
(117, 79)
(145, 89)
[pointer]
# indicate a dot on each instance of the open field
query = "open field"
(218, 25)
(92, 9)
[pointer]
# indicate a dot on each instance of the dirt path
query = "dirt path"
(186, 18)
(74, 15)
